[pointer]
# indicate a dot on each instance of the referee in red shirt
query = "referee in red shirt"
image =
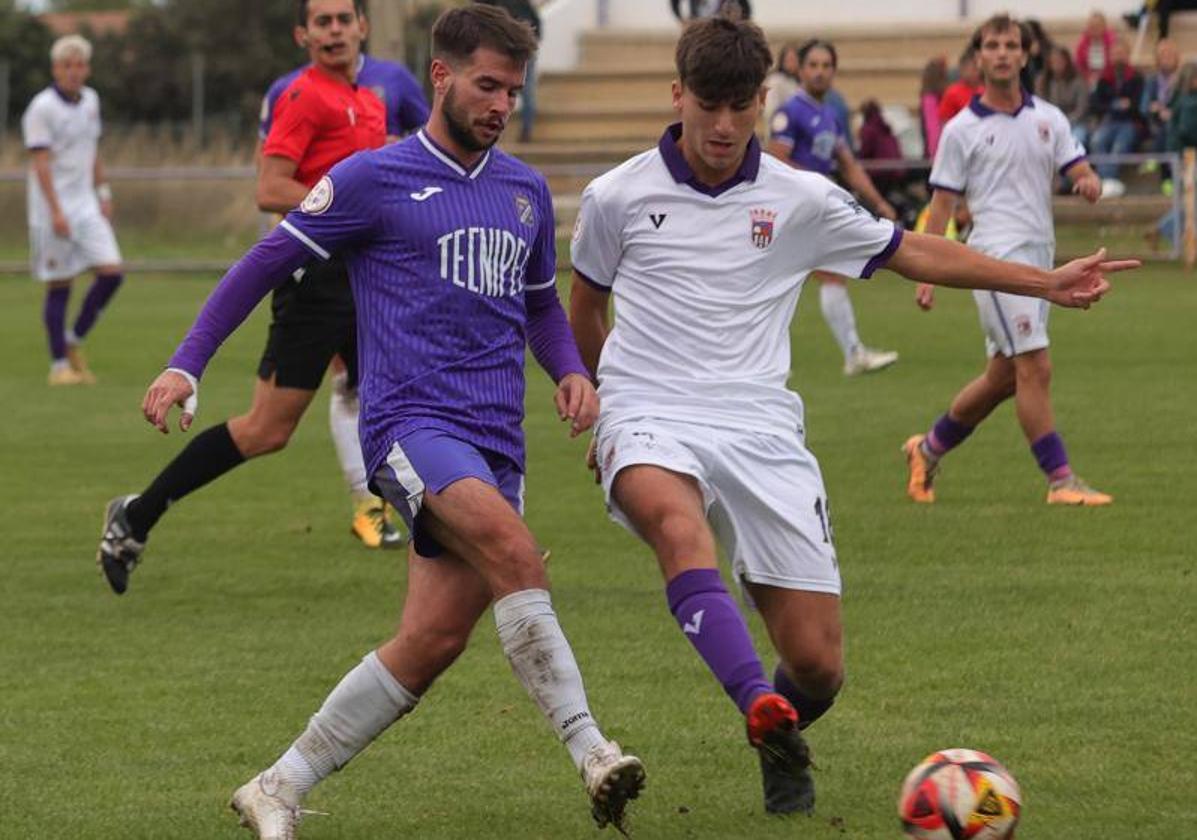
(322, 118)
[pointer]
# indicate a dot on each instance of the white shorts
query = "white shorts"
(763, 495)
(1015, 324)
(91, 243)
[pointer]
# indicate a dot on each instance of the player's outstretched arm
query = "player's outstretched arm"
(267, 265)
(932, 259)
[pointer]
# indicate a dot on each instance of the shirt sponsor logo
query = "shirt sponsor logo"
(485, 261)
(319, 197)
(762, 227)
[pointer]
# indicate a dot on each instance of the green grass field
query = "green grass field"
(1062, 641)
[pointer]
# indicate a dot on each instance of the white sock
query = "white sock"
(342, 422)
(545, 665)
(72, 340)
(365, 702)
(839, 315)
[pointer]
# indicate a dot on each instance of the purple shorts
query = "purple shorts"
(430, 460)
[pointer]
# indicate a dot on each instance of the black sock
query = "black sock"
(809, 709)
(209, 456)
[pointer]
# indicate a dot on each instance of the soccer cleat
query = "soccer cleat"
(866, 360)
(1074, 491)
(65, 375)
(612, 779)
(78, 363)
(373, 527)
(772, 727)
(267, 806)
(922, 470)
(119, 552)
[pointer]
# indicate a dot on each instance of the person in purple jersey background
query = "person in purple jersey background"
(450, 248)
(807, 132)
(406, 107)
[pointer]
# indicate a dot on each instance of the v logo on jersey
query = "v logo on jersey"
(657, 219)
(426, 193)
(694, 625)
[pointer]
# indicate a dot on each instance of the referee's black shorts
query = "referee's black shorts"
(313, 321)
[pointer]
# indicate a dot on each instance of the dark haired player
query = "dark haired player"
(699, 441)
(450, 245)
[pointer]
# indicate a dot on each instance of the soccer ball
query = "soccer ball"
(959, 795)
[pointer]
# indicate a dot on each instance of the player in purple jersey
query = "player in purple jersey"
(450, 247)
(406, 107)
(808, 133)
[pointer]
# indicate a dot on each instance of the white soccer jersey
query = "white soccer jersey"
(705, 281)
(71, 131)
(1003, 164)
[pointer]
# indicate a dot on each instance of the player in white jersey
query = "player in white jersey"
(705, 244)
(69, 205)
(1001, 153)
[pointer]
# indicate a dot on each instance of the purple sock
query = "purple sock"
(54, 316)
(946, 435)
(101, 291)
(809, 710)
(1053, 459)
(713, 624)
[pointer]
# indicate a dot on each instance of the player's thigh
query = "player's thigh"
(771, 511)
(95, 239)
(806, 629)
(272, 418)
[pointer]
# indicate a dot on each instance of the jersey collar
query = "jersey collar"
(70, 100)
(675, 162)
(448, 160)
(982, 110)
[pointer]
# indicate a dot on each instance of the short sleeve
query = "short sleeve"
(597, 245)
(340, 210)
(542, 263)
(36, 128)
(292, 130)
(783, 128)
(949, 172)
(850, 240)
(1068, 150)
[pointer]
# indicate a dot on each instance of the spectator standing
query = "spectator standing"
(783, 81)
(935, 82)
(1063, 87)
(877, 142)
(1115, 103)
(960, 92)
(1094, 49)
(1037, 54)
(524, 10)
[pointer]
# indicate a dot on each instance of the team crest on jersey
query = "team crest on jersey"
(1045, 131)
(319, 198)
(523, 209)
(380, 92)
(762, 227)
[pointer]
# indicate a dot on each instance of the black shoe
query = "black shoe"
(119, 552)
(785, 772)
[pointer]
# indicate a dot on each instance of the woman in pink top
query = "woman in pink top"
(935, 79)
(1094, 48)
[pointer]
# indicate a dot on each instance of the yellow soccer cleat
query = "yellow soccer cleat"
(372, 526)
(65, 376)
(1074, 491)
(922, 471)
(78, 363)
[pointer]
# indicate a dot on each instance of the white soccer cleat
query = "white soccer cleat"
(268, 806)
(866, 360)
(612, 779)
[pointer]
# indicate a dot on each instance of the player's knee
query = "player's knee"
(513, 561)
(1035, 372)
(256, 438)
(439, 647)
(674, 534)
(820, 673)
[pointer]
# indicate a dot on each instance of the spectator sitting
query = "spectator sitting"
(878, 142)
(1182, 134)
(1158, 90)
(1062, 86)
(935, 80)
(1115, 102)
(1094, 49)
(782, 82)
(961, 91)
(1037, 55)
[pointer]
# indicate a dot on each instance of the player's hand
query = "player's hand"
(1081, 283)
(62, 228)
(592, 463)
(106, 208)
(170, 388)
(1088, 187)
(924, 296)
(577, 402)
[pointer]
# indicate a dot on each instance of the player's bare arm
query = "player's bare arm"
(40, 159)
(103, 190)
(942, 262)
(588, 318)
(855, 177)
(943, 205)
(278, 191)
(1085, 182)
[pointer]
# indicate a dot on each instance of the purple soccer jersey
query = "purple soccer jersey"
(401, 96)
(813, 131)
(452, 273)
